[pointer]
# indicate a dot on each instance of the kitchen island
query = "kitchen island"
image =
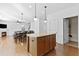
(39, 45)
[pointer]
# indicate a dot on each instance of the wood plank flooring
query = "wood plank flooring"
(8, 47)
(64, 50)
(72, 43)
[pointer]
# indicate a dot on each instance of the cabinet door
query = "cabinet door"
(40, 46)
(52, 40)
(46, 44)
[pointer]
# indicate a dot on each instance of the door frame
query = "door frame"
(65, 37)
(63, 28)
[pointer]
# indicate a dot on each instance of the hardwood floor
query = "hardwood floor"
(64, 50)
(72, 43)
(9, 48)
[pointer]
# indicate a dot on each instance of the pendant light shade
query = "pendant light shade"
(45, 20)
(35, 19)
(21, 20)
(22, 16)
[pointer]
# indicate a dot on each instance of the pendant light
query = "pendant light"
(21, 16)
(21, 19)
(35, 18)
(45, 20)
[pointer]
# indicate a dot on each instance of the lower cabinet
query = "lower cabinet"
(41, 45)
(46, 38)
(52, 41)
(45, 44)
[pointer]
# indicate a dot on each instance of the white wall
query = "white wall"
(35, 26)
(51, 25)
(42, 27)
(39, 27)
(58, 16)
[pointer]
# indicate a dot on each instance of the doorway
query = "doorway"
(70, 31)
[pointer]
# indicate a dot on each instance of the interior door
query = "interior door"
(74, 29)
(66, 30)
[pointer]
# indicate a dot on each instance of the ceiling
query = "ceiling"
(12, 11)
